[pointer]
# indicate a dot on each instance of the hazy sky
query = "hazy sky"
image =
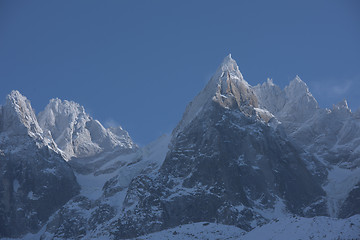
(139, 63)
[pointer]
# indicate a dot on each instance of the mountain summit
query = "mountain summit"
(227, 88)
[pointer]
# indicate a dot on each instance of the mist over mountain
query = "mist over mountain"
(244, 161)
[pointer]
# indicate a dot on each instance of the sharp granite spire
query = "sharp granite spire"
(229, 67)
(227, 88)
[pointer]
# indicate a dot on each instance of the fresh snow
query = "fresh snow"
(279, 229)
(77, 134)
(151, 156)
(307, 228)
(200, 230)
(91, 186)
(340, 182)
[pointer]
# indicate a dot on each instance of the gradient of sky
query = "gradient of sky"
(139, 63)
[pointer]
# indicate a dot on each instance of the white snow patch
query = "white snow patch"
(279, 210)
(91, 186)
(340, 182)
(200, 230)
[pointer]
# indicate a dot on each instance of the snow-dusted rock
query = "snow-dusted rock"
(35, 179)
(93, 212)
(225, 165)
(332, 136)
(227, 87)
(77, 134)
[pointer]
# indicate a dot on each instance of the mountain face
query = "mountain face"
(331, 135)
(246, 156)
(77, 134)
(225, 164)
(35, 180)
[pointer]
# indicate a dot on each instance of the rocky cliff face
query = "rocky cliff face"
(35, 179)
(226, 164)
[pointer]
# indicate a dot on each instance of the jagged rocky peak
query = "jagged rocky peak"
(17, 115)
(300, 104)
(232, 90)
(270, 96)
(67, 109)
(227, 88)
(229, 65)
(342, 106)
(297, 88)
(77, 134)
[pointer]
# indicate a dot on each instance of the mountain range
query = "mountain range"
(243, 162)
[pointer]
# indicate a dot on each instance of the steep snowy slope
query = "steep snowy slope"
(77, 134)
(35, 179)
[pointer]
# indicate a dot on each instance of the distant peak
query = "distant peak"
(17, 101)
(18, 115)
(297, 89)
(15, 95)
(341, 105)
(297, 79)
(65, 107)
(297, 82)
(270, 82)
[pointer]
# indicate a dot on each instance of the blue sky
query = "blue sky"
(139, 63)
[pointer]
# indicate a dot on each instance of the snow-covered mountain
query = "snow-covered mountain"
(243, 162)
(331, 135)
(225, 164)
(35, 180)
(77, 134)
